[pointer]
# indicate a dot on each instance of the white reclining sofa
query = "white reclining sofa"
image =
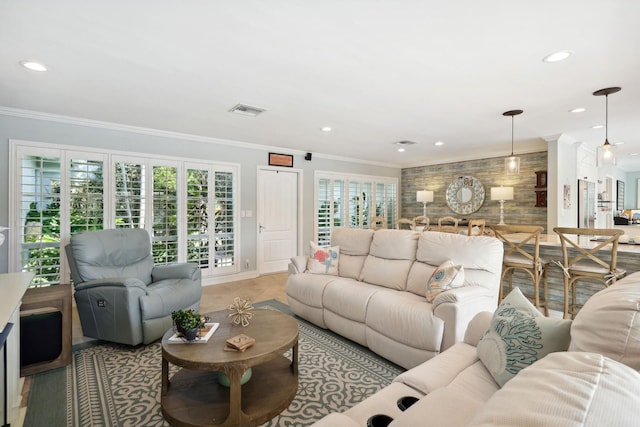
(594, 383)
(377, 298)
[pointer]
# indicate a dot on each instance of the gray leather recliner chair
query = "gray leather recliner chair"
(121, 296)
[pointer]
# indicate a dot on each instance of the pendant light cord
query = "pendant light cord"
(511, 136)
(606, 118)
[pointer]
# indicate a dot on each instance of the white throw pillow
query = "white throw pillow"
(447, 276)
(518, 336)
(323, 260)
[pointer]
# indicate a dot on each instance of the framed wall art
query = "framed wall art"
(276, 159)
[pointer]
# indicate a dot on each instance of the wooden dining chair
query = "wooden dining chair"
(448, 224)
(522, 253)
(378, 222)
(476, 227)
(593, 260)
(404, 224)
(421, 223)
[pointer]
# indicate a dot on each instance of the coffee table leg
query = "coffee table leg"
(294, 359)
(235, 397)
(165, 375)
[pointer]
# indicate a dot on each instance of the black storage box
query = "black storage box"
(40, 337)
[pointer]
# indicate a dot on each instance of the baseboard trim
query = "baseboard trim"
(216, 280)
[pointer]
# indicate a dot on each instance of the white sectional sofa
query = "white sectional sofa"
(377, 298)
(595, 383)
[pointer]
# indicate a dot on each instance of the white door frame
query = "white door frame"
(299, 183)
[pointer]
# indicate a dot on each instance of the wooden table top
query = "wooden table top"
(273, 331)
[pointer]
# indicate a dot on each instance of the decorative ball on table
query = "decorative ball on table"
(241, 311)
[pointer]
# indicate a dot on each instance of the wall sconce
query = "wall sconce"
(501, 194)
(425, 197)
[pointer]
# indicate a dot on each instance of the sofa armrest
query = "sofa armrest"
(458, 306)
(298, 264)
(118, 282)
(440, 370)
(176, 271)
(460, 295)
(477, 327)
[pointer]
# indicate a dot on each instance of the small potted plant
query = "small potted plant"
(187, 322)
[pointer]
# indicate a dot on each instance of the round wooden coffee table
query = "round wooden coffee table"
(194, 397)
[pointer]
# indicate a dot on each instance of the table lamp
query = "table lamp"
(425, 197)
(501, 194)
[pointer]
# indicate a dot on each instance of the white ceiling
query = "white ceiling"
(376, 71)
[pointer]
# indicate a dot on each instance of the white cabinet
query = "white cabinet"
(12, 288)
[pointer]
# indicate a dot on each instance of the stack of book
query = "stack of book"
(239, 343)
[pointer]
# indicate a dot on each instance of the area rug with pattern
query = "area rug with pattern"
(116, 385)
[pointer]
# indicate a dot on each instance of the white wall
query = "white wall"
(50, 129)
(563, 170)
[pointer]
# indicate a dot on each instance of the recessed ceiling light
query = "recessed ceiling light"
(578, 110)
(438, 143)
(325, 129)
(597, 126)
(401, 150)
(558, 56)
(33, 66)
(619, 143)
(634, 154)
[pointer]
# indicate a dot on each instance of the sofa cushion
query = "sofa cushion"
(518, 336)
(323, 260)
(566, 389)
(349, 298)
(390, 273)
(350, 266)
(352, 241)
(419, 273)
(406, 318)
(394, 244)
(619, 336)
(103, 254)
(308, 288)
(354, 246)
(473, 253)
(447, 276)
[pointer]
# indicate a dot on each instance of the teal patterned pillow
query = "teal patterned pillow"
(518, 336)
(447, 276)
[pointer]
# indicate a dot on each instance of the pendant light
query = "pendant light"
(605, 153)
(512, 163)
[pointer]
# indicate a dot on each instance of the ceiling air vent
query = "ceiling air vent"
(247, 110)
(404, 143)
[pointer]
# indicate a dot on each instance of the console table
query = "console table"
(47, 299)
(12, 288)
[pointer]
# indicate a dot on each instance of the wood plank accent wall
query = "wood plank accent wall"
(490, 172)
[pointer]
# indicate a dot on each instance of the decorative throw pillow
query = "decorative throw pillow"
(447, 276)
(518, 336)
(323, 260)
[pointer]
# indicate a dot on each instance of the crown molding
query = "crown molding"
(77, 121)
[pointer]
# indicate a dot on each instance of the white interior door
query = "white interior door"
(277, 219)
